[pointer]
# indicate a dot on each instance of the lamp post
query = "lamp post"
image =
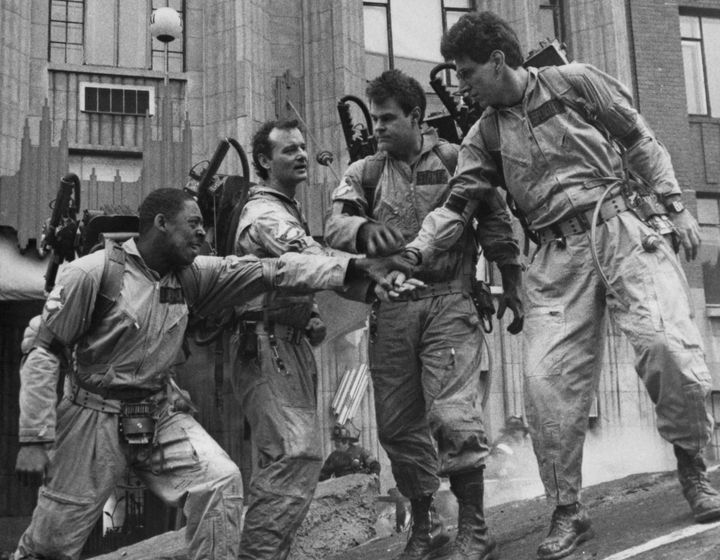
(166, 26)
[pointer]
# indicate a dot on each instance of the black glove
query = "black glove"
(511, 281)
(315, 331)
(378, 240)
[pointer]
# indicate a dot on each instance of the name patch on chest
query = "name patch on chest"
(545, 111)
(171, 295)
(432, 177)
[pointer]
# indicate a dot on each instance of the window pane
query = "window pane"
(75, 12)
(58, 10)
(75, 33)
(457, 4)
(694, 78)
(711, 40)
(103, 100)
(417, 29)
(74, 54)
(58, 33)
(375, 64)
(708, 211)
(709, 257)
(143, 102)
(375, 25)
(452, 17)
(131, 102)
(116, 100)
(90, 99)
(690, 27)
(57, 53)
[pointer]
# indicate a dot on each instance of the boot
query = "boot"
(427, 533)
(704, 500)
(570, 526)
(473, 541)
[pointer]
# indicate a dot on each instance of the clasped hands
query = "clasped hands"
(389, 266)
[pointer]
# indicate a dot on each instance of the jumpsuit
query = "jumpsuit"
(425, 350)
(557, 166)
(130, 351)
(276, 375)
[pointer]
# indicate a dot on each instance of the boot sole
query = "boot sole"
(706, 517)
(581, 538)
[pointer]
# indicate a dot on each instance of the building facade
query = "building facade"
(84, 88)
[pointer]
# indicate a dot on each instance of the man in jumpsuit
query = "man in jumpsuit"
(557, 165)
(275, 369)
(425, 350)
(121, 365)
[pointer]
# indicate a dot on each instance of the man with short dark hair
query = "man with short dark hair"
(590, 179)
(121, 409)
(425, 350)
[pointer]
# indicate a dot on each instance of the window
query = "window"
(406, 34)
(709, 219)
(112, 33)
(116, 100)
(66, 31)
(700, 36)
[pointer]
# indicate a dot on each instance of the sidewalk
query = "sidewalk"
(625, 513)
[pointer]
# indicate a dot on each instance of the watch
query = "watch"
(675, 206)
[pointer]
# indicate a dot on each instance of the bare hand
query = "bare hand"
(31, 464)
(379, 240)
(400, 285)
(688, 231)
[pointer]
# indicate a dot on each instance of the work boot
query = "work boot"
(704, 500)
(473, 541)
(570, 526)
(427, 533)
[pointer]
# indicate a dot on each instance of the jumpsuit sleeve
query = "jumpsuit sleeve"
(472, 194)
(349, 211)
(612, 104)
(65, 317)
(281, 232)
(215, 283)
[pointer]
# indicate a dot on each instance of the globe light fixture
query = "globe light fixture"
(165, 25)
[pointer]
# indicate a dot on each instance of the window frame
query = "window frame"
(99, 85)
(153, 50)
(66, 22)
(700, 14)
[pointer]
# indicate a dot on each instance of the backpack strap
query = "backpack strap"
(111, 280)
(489, 129)
(448, 154)
(371, 173)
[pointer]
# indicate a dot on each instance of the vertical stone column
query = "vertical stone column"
(15, 47)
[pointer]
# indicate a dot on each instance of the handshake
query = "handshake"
(387, 263)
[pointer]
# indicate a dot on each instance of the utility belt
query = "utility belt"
(433, 290)
(136, 408)
(582, 221)
(290, 334)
